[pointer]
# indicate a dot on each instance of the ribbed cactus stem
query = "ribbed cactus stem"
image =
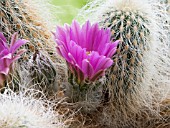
(24, 17)
(127, 72)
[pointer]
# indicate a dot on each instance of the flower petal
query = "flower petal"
(7, 56)
(85, 33)
(103, 63)
(78, 52)
(73, 61)
(5, 71)
(99, 40)
(75, 32)
(19, 53)
(87, 68)
(94, 58)
(80, 74)
(64, 53)
(61, 34)
(92, 34)
(4, 52)
(3, 42)
(17, 45)
(102, 43)
(111, 52)
(112, 49)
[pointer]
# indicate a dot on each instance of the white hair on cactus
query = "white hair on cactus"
(94, 9)
(23, 110)
(155, 86)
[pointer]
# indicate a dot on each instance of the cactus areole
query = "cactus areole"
(87, 49)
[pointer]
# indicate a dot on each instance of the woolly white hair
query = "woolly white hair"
(23, 110)
(96, 8)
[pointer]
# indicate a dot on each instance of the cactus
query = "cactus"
(129, 75)
(17, 16)
(25, 17)
(142, 60)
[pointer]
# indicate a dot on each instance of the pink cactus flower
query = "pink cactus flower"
(87, 49)
(8, 54)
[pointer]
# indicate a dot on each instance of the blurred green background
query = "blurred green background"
(68, 9)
